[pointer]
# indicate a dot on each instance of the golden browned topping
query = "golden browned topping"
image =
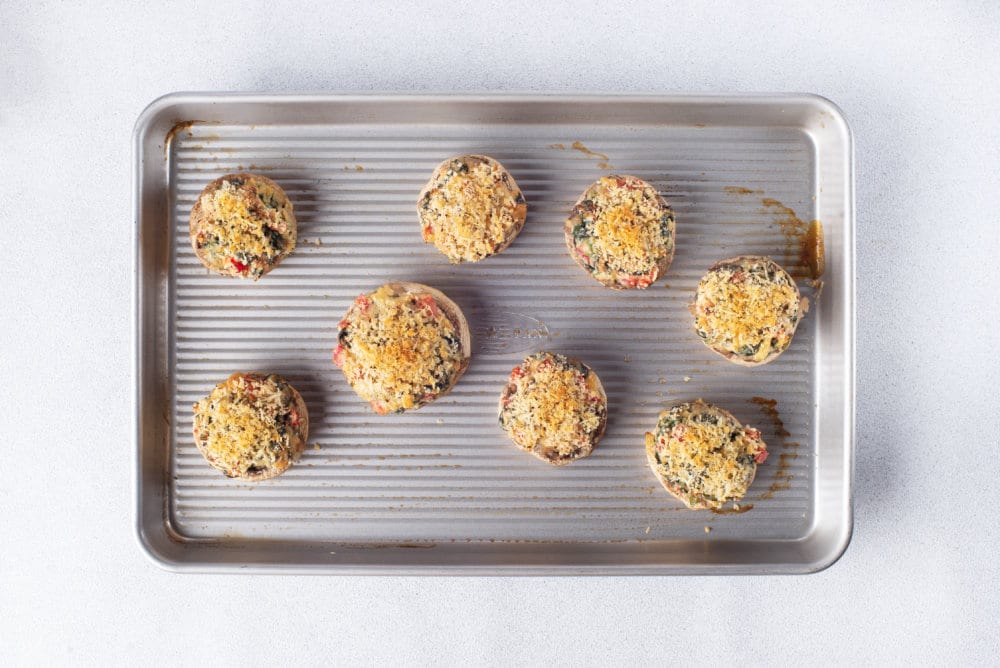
(471, 208)
(622, 232)
(250, 426)
(747, 307)
(703, 455)
(398, 349)
(243, 225)
(554, 407)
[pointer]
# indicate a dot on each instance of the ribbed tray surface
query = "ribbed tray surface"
(446, 472)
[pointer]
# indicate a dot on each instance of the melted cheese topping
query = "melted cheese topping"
(248, 425)
(622, 227)
(703, 454)
(398, 350)
(748, 308)
(244, 226)
(553, 407)
(473, 209)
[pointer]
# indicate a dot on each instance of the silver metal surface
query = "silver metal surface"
(440, 490)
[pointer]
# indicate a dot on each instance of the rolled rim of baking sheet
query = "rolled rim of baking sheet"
(441, 491)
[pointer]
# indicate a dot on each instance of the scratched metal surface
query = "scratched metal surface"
(444, 477)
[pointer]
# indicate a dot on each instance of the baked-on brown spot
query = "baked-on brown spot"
(782, 478)
(173, 132)
(740, 190)
(804, 246)
(769, 407)
(737, 510)
(578, 146)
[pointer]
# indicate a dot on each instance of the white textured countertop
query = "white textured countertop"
(920, 88)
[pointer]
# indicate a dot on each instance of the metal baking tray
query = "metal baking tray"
(440, 490)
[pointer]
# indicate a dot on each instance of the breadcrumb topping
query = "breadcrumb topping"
(243, 226)
(398, 349)
(748, 307)
(622, 231)
(249, 425)
(703, 454)
(471, 209)
(553, 406)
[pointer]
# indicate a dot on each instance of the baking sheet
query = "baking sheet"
(440, 490)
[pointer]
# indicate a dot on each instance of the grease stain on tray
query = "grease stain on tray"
(603, 164)
(174, 131)
(782, 477)
(769, 407)
(735, 510)
(579, 146)
(740, 190)
(804, 249)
